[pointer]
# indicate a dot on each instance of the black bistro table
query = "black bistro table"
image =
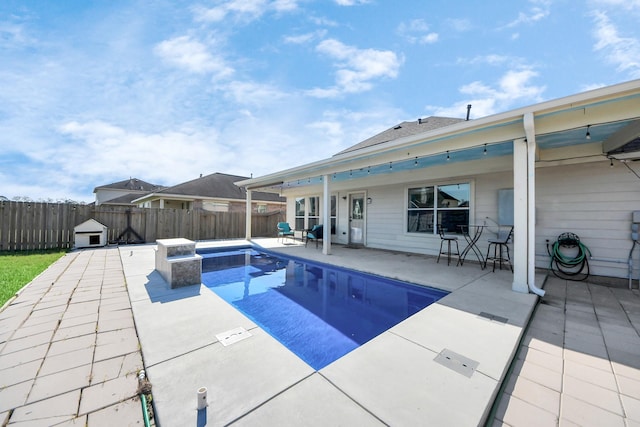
(471, 234)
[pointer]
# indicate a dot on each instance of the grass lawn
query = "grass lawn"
(16, 270)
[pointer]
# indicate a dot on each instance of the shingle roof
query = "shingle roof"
(133, 184)
(218, 185)
(404, 129)
(125, 199)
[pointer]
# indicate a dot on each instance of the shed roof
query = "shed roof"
(90, 225)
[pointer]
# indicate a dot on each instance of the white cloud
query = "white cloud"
(96, 149)
(285, 5)
(342, 128)
(14, 36)
(417, 31)
(592, 86)
(322, 21)
(459, 25)
(513, 88)
(249, 93)
(192, 55)
(623, 52)
(537, 12)
(351, 2)
(619, 4)
(243, 10)
(491, 59)
(305, 38)
(356, 67)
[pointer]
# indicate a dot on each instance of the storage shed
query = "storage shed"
(90, 234)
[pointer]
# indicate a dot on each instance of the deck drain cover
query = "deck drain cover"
(457, 362)
(493, 317)
(233, 336)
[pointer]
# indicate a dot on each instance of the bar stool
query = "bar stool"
(449, 239)
(500, 249)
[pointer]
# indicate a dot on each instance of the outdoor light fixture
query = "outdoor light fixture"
(448, 158)
(588, 135)
(485, 150)
(390, 165)
(416, 162)
(611, 164)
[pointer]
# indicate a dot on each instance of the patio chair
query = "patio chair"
(284, 230)
(449, 240)
(500, 248)
(315, 233)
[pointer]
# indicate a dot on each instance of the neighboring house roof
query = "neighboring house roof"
(404, 129)
(132, 184)
(125, 199)
(214, 186)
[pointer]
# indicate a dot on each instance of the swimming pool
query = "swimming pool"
(319, 312)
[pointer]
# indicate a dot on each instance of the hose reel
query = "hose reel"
(569, 257)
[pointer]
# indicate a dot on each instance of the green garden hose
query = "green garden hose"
(569, 267)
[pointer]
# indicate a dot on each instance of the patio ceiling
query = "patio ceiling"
(600, 120)
(571, 137)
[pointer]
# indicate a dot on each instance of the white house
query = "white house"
(565, 165)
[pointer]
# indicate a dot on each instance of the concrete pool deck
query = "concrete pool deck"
(394, 379)
(69, 351)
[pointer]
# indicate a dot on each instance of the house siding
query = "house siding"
(591, 200)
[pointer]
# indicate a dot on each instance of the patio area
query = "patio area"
(394, 379)
(578, 363)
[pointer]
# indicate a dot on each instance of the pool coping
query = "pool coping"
(389, 380)
(332, 311)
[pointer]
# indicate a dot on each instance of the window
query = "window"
(261, 208)
(314, 211)
(307, 212)
(445, 206)
(333, 214)
(94, 239)
(300, 213)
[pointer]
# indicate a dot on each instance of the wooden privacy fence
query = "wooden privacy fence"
(38, 226)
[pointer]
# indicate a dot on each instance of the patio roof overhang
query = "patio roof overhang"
(601, 122)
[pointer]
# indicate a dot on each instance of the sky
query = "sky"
(96, 92)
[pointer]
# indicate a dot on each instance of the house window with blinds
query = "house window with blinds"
(434, 206)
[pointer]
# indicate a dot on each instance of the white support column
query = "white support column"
(326, 214)
(520, 216)
(529, 129)
(161, 203)
(248, 216)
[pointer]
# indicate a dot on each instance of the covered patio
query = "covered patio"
(531, 151)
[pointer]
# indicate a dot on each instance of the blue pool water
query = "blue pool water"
(319, 312)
